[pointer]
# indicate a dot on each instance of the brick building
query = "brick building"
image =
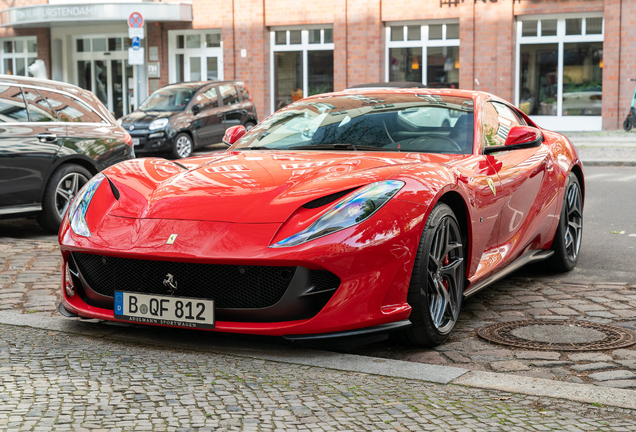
(564, 62)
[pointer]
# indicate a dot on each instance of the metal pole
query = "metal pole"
(138, 89)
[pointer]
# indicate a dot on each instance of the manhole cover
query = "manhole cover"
(558, 336)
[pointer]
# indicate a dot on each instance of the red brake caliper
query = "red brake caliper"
(445, 262)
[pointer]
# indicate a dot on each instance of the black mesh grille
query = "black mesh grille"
(324, 280)
(231, 286)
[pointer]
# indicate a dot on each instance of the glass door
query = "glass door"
(102, 67)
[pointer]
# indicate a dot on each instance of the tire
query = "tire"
(249, 125)
(437, 284)
(62, 187)
(628, 124)
(182, 146)
(567, 239)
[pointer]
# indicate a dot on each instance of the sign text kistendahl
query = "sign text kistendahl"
(59, 12)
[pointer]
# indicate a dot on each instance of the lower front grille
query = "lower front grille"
(231, 286)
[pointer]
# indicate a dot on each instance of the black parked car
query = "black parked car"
(180, 117)
(53, 138)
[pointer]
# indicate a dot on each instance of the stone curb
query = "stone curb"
(585, 393)
(609, 163)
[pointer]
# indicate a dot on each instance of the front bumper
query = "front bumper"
(372, 260)
(146, 142)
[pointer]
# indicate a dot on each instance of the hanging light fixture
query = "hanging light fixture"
(415, 65)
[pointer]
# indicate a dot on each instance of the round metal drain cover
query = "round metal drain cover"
(558, 336)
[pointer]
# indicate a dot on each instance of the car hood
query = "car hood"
(141, 119)
(246, 187)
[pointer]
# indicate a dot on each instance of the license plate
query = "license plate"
(165, 310)
(135, 141)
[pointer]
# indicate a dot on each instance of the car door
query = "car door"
(29, 141)
(207, 123)
(528, 181)
(232, 109)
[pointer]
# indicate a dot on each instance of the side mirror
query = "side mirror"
(519, 137)
(196, 109)
(233, 134)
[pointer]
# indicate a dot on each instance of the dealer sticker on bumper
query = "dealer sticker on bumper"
(164, 310)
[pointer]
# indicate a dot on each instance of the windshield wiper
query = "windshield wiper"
(340, 147)
(256, 148)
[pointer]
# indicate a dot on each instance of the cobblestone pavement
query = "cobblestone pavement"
(52, 381)
(29, 282)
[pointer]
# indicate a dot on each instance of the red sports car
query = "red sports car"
(341, 214)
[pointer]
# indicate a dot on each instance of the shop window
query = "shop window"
(302, 64)
(573, 26)
(582, 78)
(529, 28)
(17, 54)
(406, 64)
(99, 44)
(428, 54)
(549, 27)
(573, 45)
(213, 40)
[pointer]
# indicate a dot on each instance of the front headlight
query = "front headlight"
(77, 212)
(158, 124)
(354, 209)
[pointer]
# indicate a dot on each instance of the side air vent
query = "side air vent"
(322, 201)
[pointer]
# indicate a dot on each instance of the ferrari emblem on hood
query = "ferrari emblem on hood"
(173, 237)
(492, 185)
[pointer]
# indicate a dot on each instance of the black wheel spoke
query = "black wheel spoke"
(444, 275)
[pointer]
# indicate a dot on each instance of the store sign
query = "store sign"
(153, 70)
(58, 13)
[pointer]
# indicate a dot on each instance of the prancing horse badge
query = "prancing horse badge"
(488, 180)
(173, 237)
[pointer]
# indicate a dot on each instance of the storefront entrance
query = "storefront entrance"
(101, 65)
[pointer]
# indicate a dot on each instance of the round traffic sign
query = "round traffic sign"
(135, 20)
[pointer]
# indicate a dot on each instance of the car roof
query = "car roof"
(198, 84)
(389, 85)
(21, 80)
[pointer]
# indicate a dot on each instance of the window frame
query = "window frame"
(202, 51)
(560, 39)
(424, 43)
(25, 54)
(304, 47)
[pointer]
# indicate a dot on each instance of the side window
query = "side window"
(497, 120)
(70, 109)
(207, 98)
(12, 107)
(39, 108)
(228, 94)
(245, 95)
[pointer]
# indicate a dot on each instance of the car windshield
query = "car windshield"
(409, 122)
(168, 99)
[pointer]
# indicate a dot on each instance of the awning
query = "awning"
(44, 15)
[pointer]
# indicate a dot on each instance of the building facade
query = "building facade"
(566, 63)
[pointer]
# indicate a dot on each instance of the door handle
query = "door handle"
(47, 137)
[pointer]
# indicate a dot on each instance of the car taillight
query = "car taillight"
(248, 93)
(128, 139)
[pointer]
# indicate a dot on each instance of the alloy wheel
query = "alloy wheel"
(444, 277)
(184, 146)
(574, 229)
(66, 190)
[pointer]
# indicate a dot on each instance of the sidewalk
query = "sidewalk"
(605, 148)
